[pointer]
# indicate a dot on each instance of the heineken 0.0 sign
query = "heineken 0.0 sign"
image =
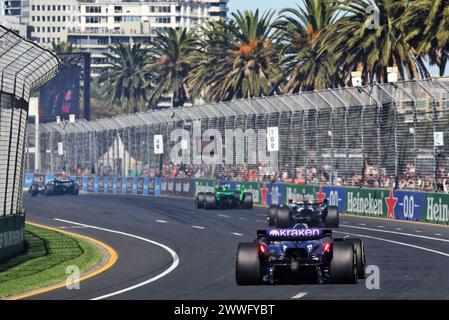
(438, 139)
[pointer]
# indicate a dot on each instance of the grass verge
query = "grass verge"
(48, 254)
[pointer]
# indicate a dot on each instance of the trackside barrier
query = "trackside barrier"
(392, 204)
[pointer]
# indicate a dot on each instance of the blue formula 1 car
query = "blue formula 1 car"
(314, 213)
(297, 255)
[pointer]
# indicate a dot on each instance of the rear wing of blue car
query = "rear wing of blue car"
(294, 234)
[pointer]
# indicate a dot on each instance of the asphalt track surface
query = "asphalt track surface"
(413, 258)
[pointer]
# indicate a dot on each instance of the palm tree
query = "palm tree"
(372, 42)
(239, 58)
(123, 81)
(168, 71)
(301, 29)
(427, 25)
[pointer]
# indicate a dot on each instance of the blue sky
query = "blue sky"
(260, 4)
(263, 5)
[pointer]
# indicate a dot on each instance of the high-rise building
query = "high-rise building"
(217, 9)
(104, 22)
(51, 19)
(14, 8)
(93, 25)
(14, 15)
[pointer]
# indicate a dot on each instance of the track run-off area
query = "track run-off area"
(168, 249)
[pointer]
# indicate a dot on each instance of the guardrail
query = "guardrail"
(392, 204)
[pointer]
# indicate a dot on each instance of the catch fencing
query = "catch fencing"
(382, 135)
(24, 66)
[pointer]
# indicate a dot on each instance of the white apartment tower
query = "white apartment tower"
(51, 19)
(93, 25)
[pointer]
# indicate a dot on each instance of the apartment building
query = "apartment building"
(93, 25)
(14, 14)
(12, 8)
(217, 9)
(105, 22)
(51, 19)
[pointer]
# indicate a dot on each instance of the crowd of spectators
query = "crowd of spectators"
(369, 176)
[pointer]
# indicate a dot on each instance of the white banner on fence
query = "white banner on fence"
(438, 138)
(60, 149)
(158, 144)
(273, 139)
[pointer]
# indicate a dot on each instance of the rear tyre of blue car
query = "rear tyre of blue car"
(76, 190)
(283, 218)
(272, 212)
(49, 190)
(343, 265)
(360, 254)
(248, 267)
(247, 202)
(332, 218)
(199, 200)
(210, 202)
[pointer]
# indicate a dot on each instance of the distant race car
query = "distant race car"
(297, 255)
(224, 197)
(36, 188)
(58, 187)
(314, 213)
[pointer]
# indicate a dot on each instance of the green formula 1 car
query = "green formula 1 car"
(223, 197)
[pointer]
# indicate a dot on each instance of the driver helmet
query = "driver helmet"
(301, 226)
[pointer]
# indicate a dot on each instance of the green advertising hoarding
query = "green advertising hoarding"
(437, 208)
(368, 202)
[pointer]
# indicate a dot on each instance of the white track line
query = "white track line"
(380, 226)
(299, 295)
(396, 242)
(399, 229)
(72, 227)
(223, 216)
(173, 254)
(399, 233)
(237, 234)
(437, 234)
(161, 221)
(198, 227)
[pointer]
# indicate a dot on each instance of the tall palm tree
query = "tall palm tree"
(371, 42)
(427, 25)
(239, 58)
(167, 73)
(124, 80)
(301, 29)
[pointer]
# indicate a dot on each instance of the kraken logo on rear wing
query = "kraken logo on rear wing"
(294, 234)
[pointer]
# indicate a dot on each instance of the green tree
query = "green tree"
(169, 68)
(427, 26)
(308, 66)
(370, 37)
(239, 58)
(63, 47)
(123, 81)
